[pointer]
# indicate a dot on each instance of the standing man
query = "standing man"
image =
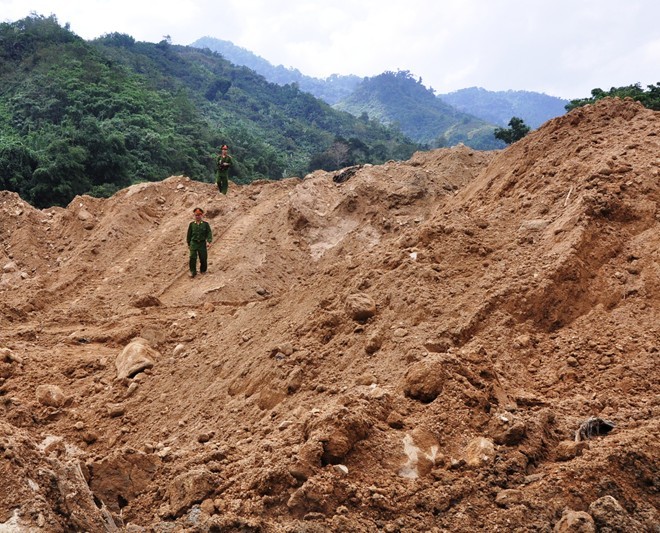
(199, 238)
(223, 163)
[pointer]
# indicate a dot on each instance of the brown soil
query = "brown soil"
(413, 349)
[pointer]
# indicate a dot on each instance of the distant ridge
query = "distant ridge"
(398, 98)
(331, 89)
(498, 107)
(494, 108)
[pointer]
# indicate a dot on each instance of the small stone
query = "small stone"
(207, 506)
(568, 449)
(9, 356)
(360, 307)
(522, 341)
(50, 395)
(437, 345)
(534, 225)
(90, 437)
(455, 464)
(479, 451)
(286, 348)
(400, 333)
(205, 437)
(131, 389)
(395, 420)
(178, 349)
(374, 344)
(508, 497)
(115, 410)
(341, 469)
(425, 380)
(575, 522)
(10, 267)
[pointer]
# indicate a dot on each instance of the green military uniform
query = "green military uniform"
(223, 164)
(199, 233)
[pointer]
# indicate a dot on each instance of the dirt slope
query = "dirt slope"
(411, 349)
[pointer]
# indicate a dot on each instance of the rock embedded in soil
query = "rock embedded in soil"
(479, 451)
(360, 307)
(134, 358)
(50, 395)
(424, 380)
(575, 522)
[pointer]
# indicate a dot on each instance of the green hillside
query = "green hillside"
(396, 98)
(92, 117)
(498, 107)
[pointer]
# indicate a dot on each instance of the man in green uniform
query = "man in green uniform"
(199, 238)
(223, 163)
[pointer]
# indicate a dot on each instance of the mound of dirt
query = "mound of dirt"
(412, 347)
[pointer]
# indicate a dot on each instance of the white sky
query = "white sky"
(562, 48)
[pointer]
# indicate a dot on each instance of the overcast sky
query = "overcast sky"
(562, 48)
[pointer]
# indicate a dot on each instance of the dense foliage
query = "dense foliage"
(649, 98)
(92, 117)
(73, 123)
(399, 99)
(497, 107)
(331, 89)
(517, 130)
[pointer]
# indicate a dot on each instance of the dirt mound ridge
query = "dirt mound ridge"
(411, 349)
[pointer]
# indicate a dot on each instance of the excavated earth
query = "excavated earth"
(464, 341)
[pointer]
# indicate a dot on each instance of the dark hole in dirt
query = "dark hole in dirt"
(594, 427)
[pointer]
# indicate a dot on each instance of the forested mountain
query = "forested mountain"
(494, 107)
(91, 117)
(330, 90)
(397, 98)
(498, 107)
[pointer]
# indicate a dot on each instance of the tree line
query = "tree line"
(649, 97)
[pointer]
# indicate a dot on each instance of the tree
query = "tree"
(334, 158)
(220, 85)
(516, 131)
(61, 175)
(17, 162)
